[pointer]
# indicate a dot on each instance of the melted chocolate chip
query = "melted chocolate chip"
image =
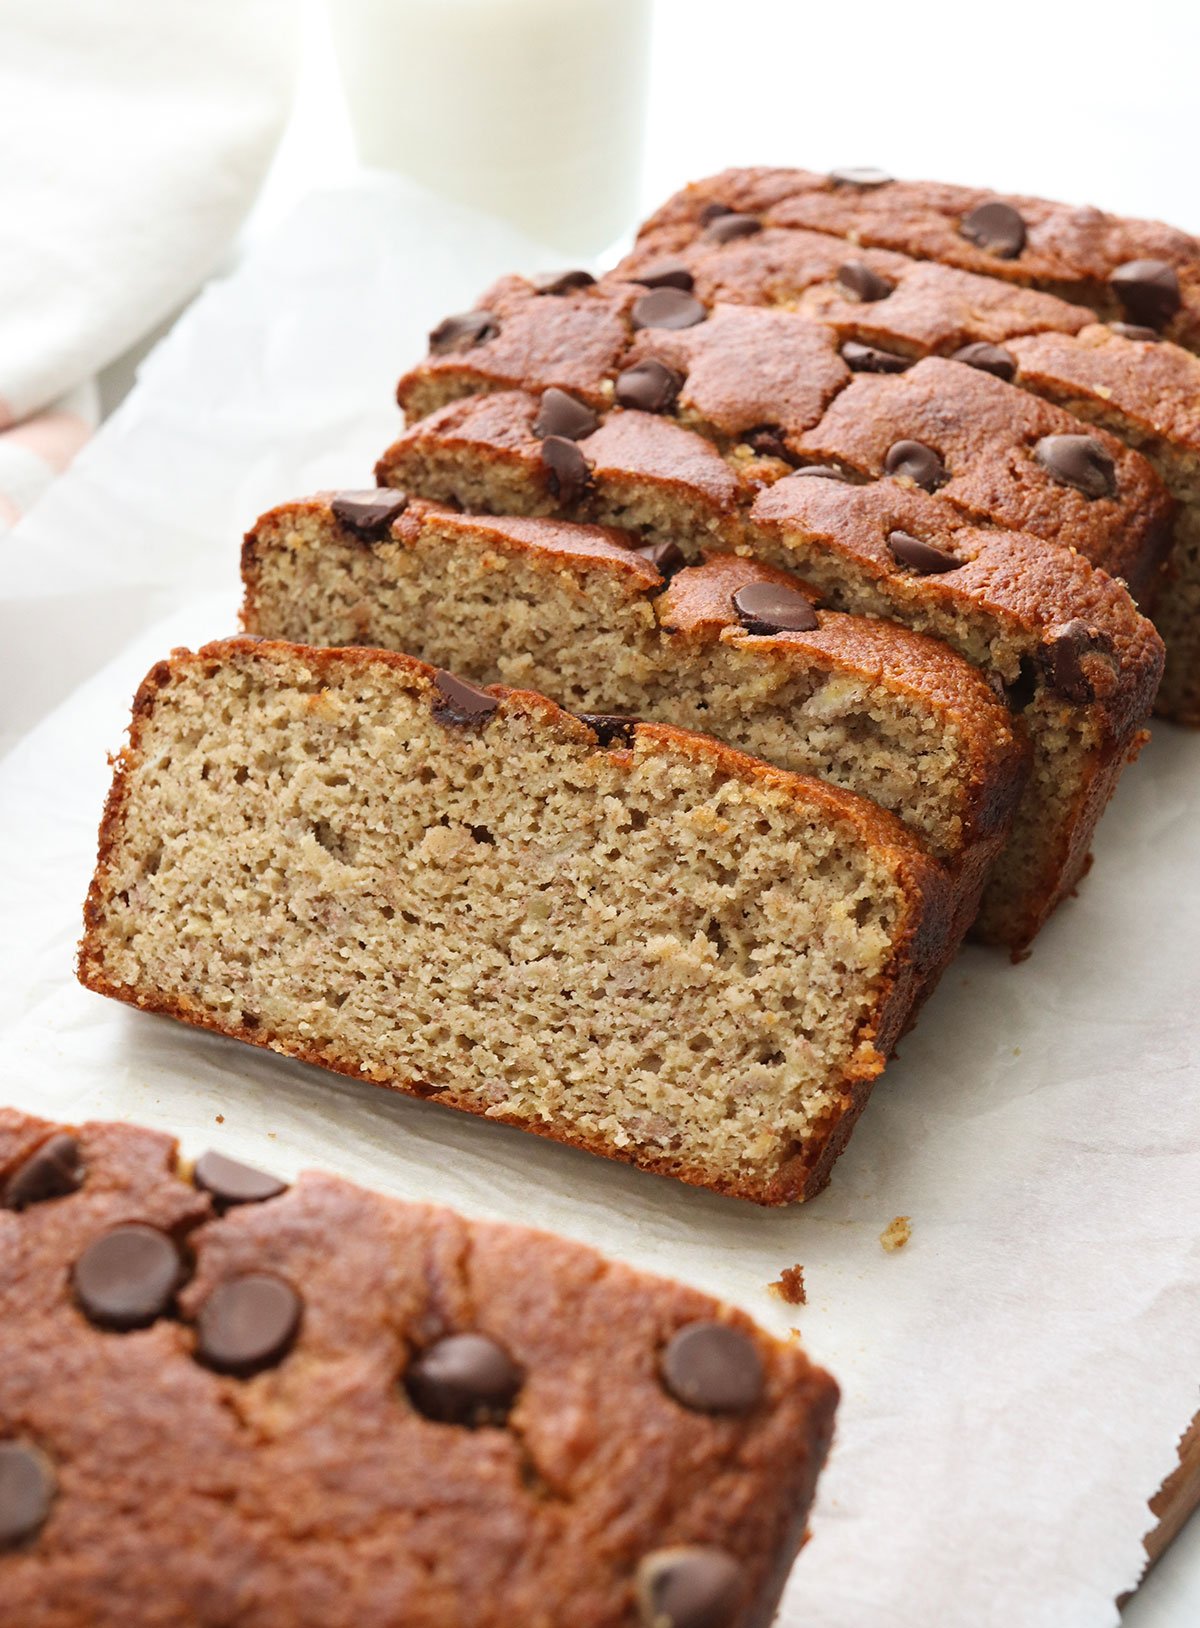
(1061, 658)
(230, 1182)
(51, 1171)
(728, 227)
(860, 176)
(461, 703)
(561, 414)
(465, 1379)
(1148, 290)
(772, 607)
(649, 387)
(562, 282)
(995, 227)
(711, 1367)
(665, 556)
(127, 1278)
(820, 472)
(247, 1323)
(1132, 330)
(993, 359)
(1079, 461)
(914, 461)
(369, 514)
(712, 212)
(667, 308)
(689, 1588)
(861, 283)
(767, 440)
(463, 332)
(921, 557)
(567, 470)
(27, 1488)
(668, 274)
(861, 358)
(610, 728)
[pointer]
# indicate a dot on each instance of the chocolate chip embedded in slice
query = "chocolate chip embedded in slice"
(1148, 290)
(861, 358)
(772, 607)
(461, 703)
(567, 470)
(914, 461)
(861, 283)
(995, 227)
(27, 1488)
(465, 1379)
(993, 359)
(712, 212)
(1062, 656)
(649, 387)
(668, 274)
(667, 308)
(1079, 461)
(767, 440)
(1133, 330)
(52, 1171)
(921, 557)
(610, 728)
(819, 472)
(711, 1367)
(369, 514)
(689, 1588)
(561, 282)
(464, 331)
(248, 1323)
(862, 175)
(726, 228)
(230, 1182)
(127, 1278)
(665, 556)
(561, 414)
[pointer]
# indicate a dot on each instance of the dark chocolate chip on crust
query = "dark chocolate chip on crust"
(861, 283)
(461, 703)
(27, 1488)
(667, 274)
(649, 386)
(567, 470)
(921, 557)
(1062, 657)
(666, 556)
(772, 607)
(561, 282)
(995, 227)
(1148, 290)
(369, 514)
(712, 1367)
(667, 308)
(862, 175)
(1079, 461)
(914, 461)
(463, 331)
(767, 440)
(230, 1182)
(690, 1587)
(610, 728)
(248, 1323)
(128, 1277)
(713, 211)
(561, 414)
(993, 359)
(465, 1379)
(725, 228)
(1134, 330)
(52, 1171)
(861, 358)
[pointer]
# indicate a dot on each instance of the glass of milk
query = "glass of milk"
(533, 110)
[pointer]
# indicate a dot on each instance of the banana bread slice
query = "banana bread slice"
(629, 938)
(225, 1400)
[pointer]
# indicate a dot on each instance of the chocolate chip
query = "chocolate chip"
(689, 1588)
(466, 1379)
(667, 308)
(461, 703)
(1079, 461)
(27, 1487)
(230, 1182)
(712, 1367)
(859, 281)
(127, 1278)
(995, 227)
(1148, 290)
(247, 1323)
(859, 176)
(1020, 693)
(562, 282)
(567, 470)
(916, 462)
(1132, 330)
(561, 414)
(665, 556)
(772, 607)
(51, 1171)
(463, 332)
(767, 440)
(921, 557)
(1061, 658)
(993, 359)
(369, 514)
(610, 728)
(728, 227)
(668, 274)
(870, 359)
(820, 472)
(712, 212)
(650, 386)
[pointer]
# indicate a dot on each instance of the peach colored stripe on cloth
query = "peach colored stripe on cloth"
(6, 415)
(9, 513)
(53, 437)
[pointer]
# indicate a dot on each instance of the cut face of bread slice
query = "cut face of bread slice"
(657, 949)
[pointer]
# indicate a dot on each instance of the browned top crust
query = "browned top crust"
(317, 1494)
(1066, 250)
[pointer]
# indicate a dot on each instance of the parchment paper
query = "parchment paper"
(1016, 1378)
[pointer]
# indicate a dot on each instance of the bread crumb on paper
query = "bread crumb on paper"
(896, 1234)
(789, 1286)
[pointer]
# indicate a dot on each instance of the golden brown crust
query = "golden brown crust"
(183, 1495)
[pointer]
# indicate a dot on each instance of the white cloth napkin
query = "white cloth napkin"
(134, 135)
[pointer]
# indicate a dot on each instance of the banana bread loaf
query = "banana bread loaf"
(224, 1401)
(623, 936)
